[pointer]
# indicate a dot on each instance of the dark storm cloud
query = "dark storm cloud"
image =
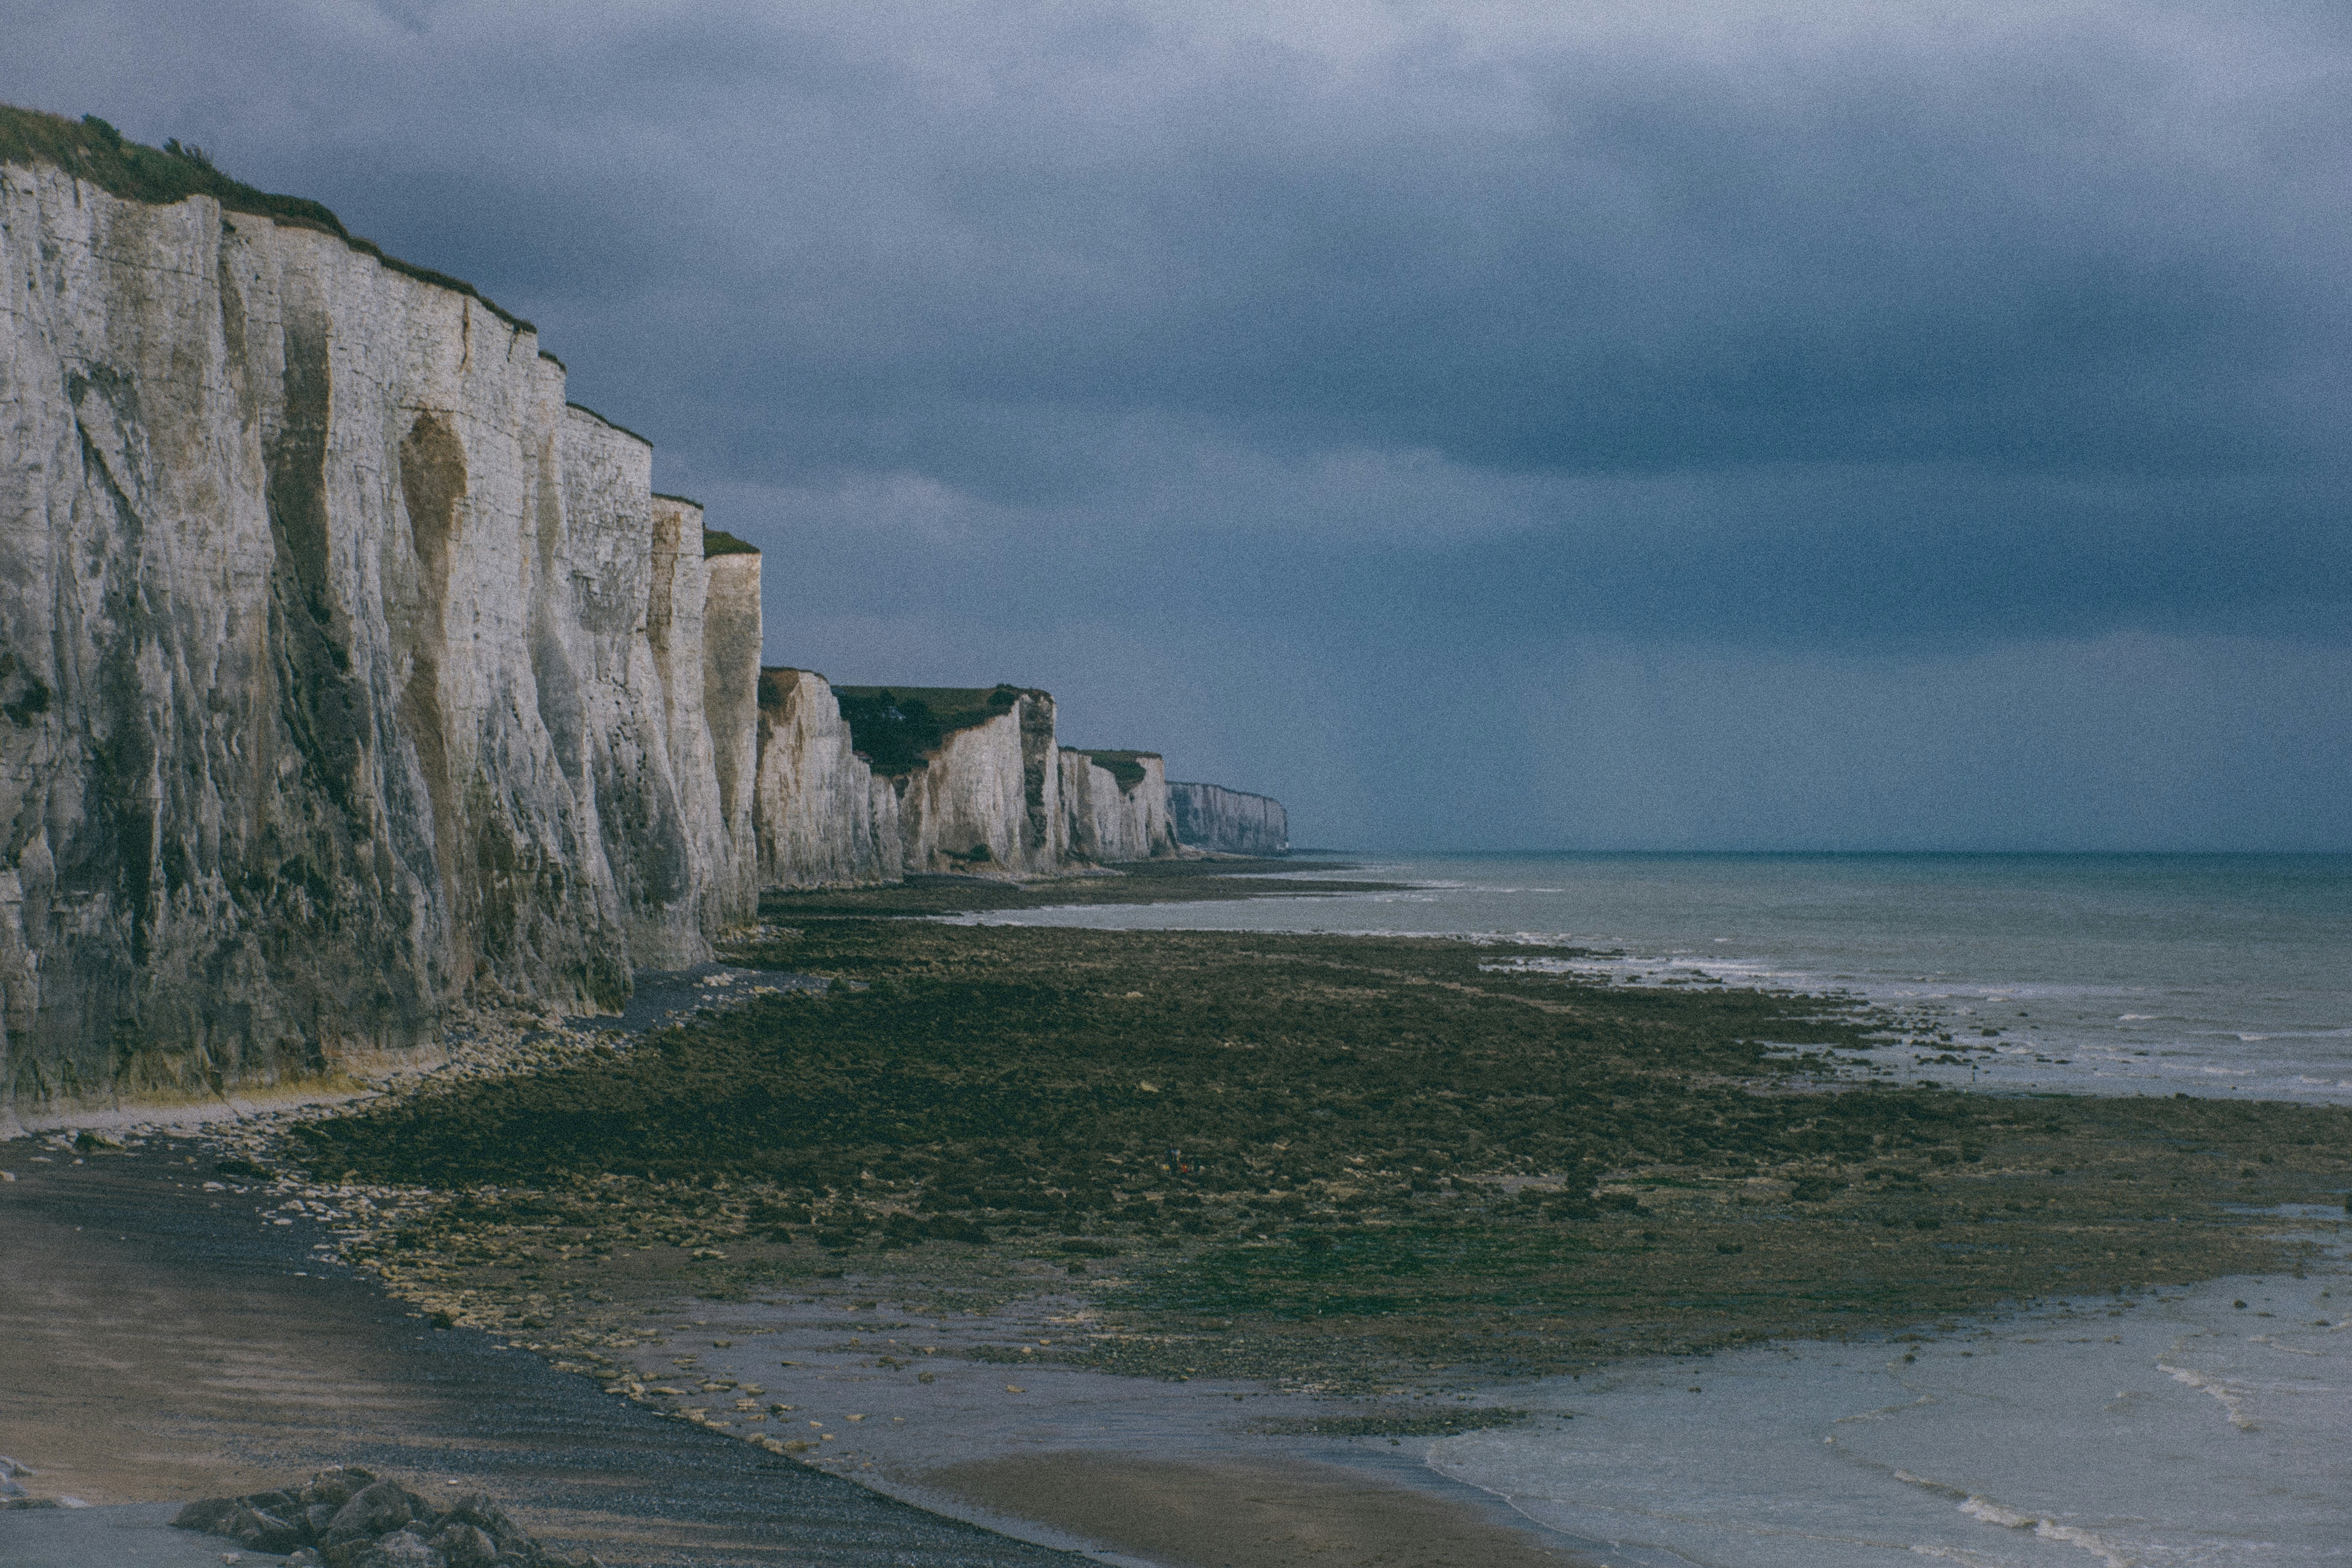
(1437, 335)
(963, 242)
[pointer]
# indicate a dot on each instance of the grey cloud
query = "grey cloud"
(1394, 339)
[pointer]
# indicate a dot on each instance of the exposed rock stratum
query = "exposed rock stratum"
(350, 675)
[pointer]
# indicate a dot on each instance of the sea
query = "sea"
(2185, 1428)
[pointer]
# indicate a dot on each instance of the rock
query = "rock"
(1115, 806)
(349, 1518)
(206, 1515)
(1210, 816)
(465, 1546)
(327, 657)
(263, 1531)
(474, 1509)
(401, 1549)
(337, 1486)
(378, 1510)
(350, 676)
(989, 797)
(821, 817)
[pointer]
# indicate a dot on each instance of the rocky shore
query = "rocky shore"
(347, 1518)
(1375, 1164)
(907, 1188)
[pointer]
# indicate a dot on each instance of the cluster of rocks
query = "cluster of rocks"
(346, 1517)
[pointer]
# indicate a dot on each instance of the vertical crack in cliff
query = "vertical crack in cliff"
(323, 704)
(432, 483)
(114, 858)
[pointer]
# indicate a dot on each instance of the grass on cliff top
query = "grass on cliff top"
(1127, 767)
(896, 728)
(717, 542)
(1344, 1160)
(94, 150)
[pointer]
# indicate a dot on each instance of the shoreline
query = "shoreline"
(1198, 1457)
(169, 1350)
(614, 1278)
(131, 1407)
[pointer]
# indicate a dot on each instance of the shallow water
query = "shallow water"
(2212, 975)
(2179, 1431)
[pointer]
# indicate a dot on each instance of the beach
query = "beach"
(740, 1234)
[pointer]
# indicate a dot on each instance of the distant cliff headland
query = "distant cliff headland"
(350, 675)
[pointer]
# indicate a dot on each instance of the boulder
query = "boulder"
(465, 1546)
(376, 1510)
(347, 1518)
(401, 1549)
(262, 1529)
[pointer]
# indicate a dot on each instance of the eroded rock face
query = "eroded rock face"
(985, 799)
(1210, 816)
(989, 798)
(1116, 804)
(732, 634)
(821, 817)
(346, 673)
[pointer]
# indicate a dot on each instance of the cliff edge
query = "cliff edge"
(346, 671)
(1228, 821)
(350, 675)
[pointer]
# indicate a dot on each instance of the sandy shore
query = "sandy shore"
(1270, 1513)
(160, 1348)
(171, 1343)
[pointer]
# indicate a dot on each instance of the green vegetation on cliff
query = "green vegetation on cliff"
(94, 150)
(1127, 767)
(717, 542)
(897, 727)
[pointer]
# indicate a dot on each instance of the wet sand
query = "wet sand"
(161, 1348)
(1278, 1513)
(937, 1408)
(167, 1343)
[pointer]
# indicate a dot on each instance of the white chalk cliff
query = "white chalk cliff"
(1228, 821)
(1114, 804)
(822, 820)
(345, 670)
(349, 674)
(958, 780)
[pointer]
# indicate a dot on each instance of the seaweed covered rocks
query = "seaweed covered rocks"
(1346, 1162)
(346, 1517)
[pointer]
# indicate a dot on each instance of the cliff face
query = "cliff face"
(1209, 816)
(990, 797)
(345, 670)
(942, 780)
(731, 637)
(822, 820)
(1115, 806)
(702, 624)
(349, 674)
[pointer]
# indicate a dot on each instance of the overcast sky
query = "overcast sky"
(1539, 426)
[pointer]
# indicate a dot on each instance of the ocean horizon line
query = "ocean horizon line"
(1310, 852)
